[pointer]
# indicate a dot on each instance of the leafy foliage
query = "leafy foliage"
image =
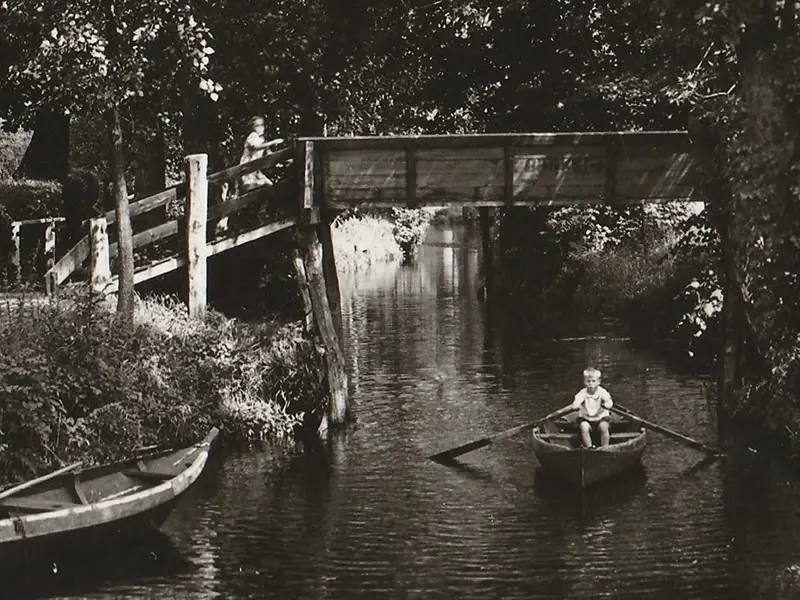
(71, 387)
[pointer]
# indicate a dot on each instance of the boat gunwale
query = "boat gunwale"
(12, 529)
(628, 444)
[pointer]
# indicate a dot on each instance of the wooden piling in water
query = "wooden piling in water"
(305, 294)
(312, 254)
(486, 218)
(329, 270)
(318, 278)
(99, 261)
(196, 218)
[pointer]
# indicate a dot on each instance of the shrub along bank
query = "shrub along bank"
(362, 238)
(637, 264)
(75, 387)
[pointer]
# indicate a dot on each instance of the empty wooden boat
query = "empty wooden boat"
(558, 449)
(74, 506)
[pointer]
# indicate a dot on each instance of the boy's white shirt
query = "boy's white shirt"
(593, 406)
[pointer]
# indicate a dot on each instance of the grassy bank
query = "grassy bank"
(72, 387)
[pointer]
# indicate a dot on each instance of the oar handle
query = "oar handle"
(686, 440)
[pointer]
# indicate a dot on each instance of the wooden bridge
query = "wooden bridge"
(331, 174)
(371, 172)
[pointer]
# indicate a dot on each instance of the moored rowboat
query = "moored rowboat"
(558, 449)
(74, 506)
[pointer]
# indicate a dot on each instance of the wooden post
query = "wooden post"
(487, 258)
(307, 175)
(50, 243)
(411, 173)
(196, 219)
(16, 256)
(331, 275)
(311, 251)
(305, 294)
(99, 262)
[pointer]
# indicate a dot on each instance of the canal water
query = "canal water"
(430, 368)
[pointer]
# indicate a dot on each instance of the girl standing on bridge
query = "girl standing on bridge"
(255, 146)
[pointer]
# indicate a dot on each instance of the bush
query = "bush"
(12, 149)
(359, 241)
(73, 387)
(27, 199)
(409, 226)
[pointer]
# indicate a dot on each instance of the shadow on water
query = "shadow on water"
(69, 573)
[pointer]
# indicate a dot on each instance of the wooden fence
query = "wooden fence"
(46, 242)
(192, 196)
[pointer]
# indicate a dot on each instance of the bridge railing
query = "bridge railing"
(78, 255)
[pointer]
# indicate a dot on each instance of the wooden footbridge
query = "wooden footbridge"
(331, 174)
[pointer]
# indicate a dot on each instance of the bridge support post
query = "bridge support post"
(486, 217)
(312, 253)
(196, 219)
(305, 294)
(99, 261)
(329, 270)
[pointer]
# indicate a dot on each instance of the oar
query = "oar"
(487, 441)
(27, 484)
(678, 437)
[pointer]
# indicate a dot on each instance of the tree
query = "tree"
(85, 60)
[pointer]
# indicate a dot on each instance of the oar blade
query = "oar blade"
(449, 455)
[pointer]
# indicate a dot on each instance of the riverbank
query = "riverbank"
(74, 387)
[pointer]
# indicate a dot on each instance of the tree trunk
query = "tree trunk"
(123, 217)
(47, 156)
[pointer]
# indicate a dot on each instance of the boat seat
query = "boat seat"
(623, 435)
(33, 504)
(152, 475)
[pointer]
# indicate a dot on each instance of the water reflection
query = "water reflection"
(431, 367)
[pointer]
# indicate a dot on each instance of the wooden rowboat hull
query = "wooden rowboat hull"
(560, 454)
(80, 508)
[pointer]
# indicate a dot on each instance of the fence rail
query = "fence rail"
(81, 251)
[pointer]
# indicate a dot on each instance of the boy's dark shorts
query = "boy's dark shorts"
(597, 422)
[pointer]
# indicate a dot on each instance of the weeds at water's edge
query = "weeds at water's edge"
(73, 388)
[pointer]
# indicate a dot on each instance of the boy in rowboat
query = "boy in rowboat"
(593, 402)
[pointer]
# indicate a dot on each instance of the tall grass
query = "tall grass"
(75, 387)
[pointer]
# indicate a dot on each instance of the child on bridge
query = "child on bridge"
(255, 146)
(593, 402)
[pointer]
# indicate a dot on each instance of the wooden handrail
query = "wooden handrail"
(79, 253)
(41, 221)
(69, 262)
(249, 167)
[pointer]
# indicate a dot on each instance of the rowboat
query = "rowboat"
(73, 507)
(558, 448)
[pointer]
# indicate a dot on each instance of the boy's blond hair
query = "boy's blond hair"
(592, 372)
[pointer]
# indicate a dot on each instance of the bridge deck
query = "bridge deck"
(500, 169)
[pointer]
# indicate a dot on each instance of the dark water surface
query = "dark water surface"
(373, 518)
